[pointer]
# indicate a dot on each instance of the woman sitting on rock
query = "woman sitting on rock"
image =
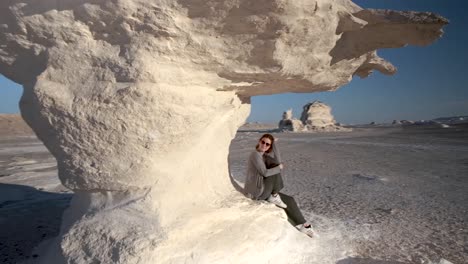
(264, 181)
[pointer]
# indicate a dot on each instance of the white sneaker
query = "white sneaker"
(277, 201)
(306, 230)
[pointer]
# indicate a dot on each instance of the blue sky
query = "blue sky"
(431, 81)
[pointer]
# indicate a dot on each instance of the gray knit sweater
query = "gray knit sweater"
(257, 171)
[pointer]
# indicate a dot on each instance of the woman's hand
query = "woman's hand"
(281, 166)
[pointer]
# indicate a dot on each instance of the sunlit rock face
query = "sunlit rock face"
(317, 116)
(288, 123)
(138, 101)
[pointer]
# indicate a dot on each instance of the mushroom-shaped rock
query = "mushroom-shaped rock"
(317, 116)
(139, 100)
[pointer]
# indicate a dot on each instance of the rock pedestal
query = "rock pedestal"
(317, 116)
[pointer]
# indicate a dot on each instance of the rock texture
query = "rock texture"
(288, 123)
(316, 117)
(138, 101)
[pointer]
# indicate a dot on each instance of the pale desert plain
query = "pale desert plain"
(378, 194)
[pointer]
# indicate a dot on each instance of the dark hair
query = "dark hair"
(271, 138)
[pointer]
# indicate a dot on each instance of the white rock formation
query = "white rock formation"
(317, 116)
(138, 101)
(406, 122)
(288, 123)
(288, 114)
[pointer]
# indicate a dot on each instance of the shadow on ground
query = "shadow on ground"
(259, 131)
(367, 261)
(27, 217)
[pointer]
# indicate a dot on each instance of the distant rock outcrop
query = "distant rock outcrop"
(12, 125)
(316, 116)
(438, 122)
(452, 120)
(406, 122)
(288, 123)
(430, 123)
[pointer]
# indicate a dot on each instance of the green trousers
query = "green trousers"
(274, 184)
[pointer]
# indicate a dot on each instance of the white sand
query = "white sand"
(387, 194)
(374, 195)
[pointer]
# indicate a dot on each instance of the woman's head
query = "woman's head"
(265, 143)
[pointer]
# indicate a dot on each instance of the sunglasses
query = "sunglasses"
(265, 143)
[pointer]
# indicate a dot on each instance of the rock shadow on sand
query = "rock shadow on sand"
(27, 217)
(367, 261)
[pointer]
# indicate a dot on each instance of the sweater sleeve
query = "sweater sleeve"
(276, 154)
(261, 168)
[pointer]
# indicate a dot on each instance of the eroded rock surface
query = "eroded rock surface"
(316, 117)
(139, 100)
(288, 123)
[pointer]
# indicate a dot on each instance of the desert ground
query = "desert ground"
(381, 194)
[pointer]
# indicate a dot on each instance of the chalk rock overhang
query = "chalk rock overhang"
(253, 47)
(138, 101)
